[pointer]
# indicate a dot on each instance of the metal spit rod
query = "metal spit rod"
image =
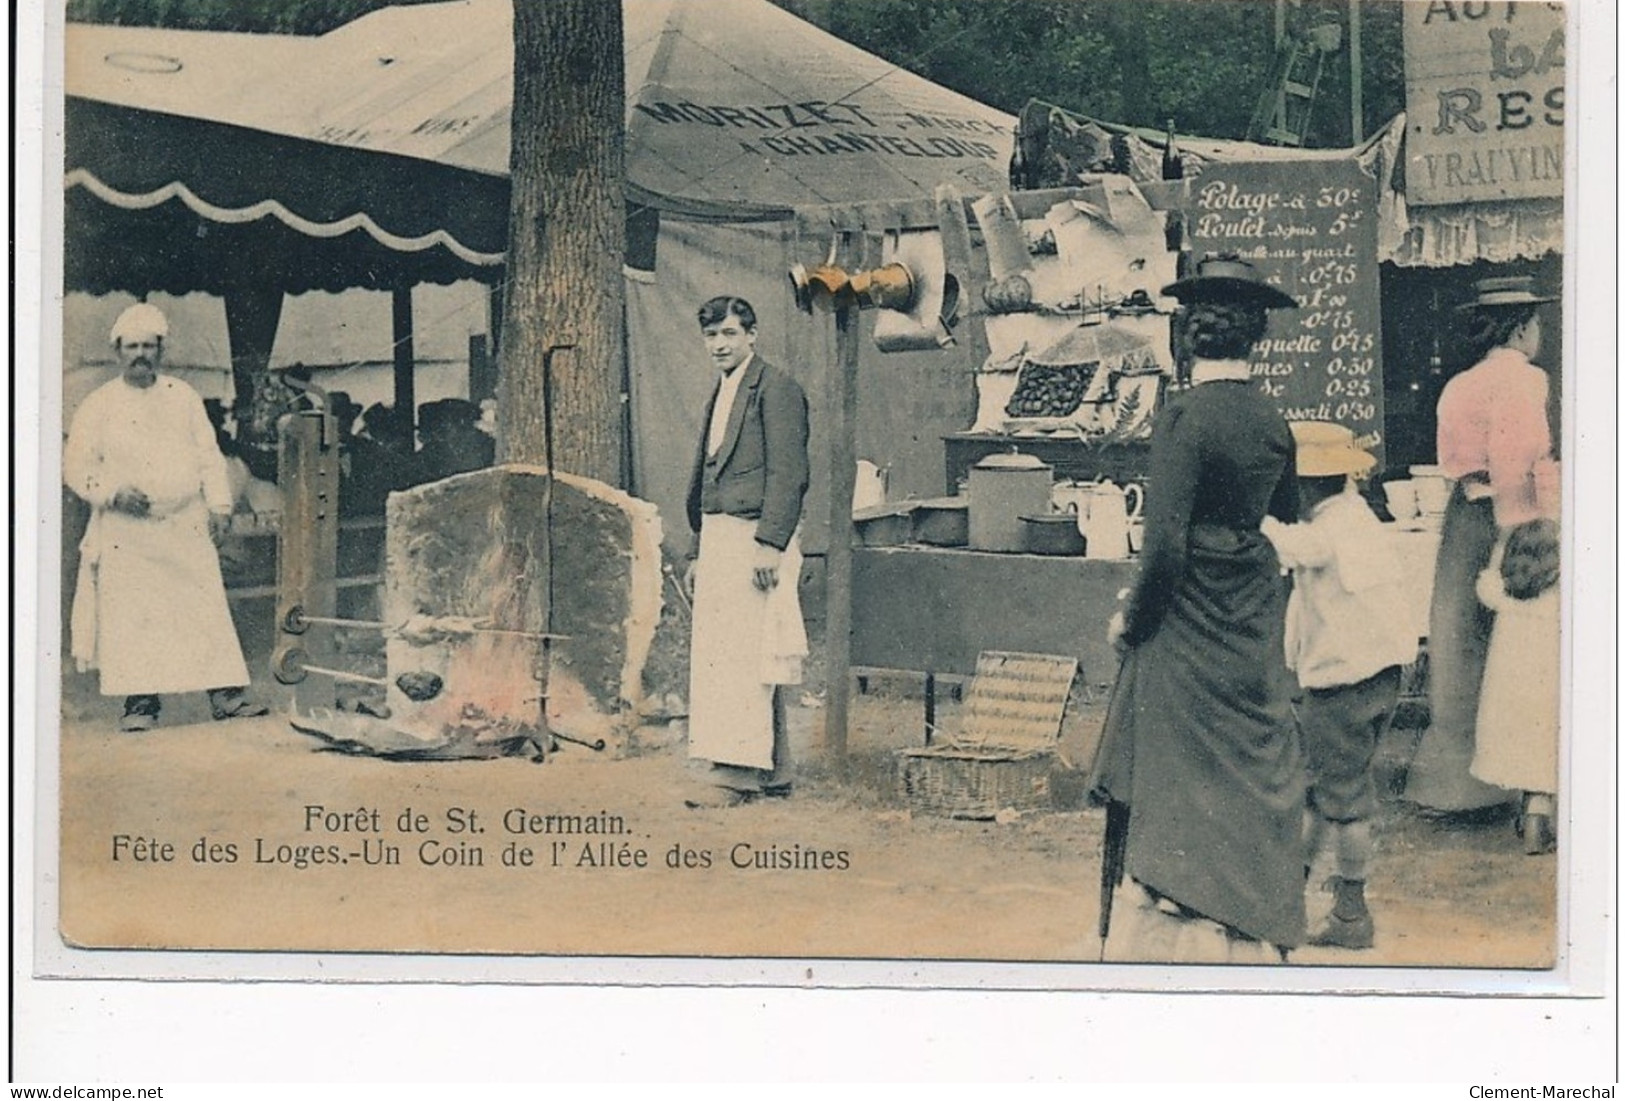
(297, 619)
(331, 621)
(519, 634)
(342, 674)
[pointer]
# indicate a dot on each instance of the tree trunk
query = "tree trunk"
(566, 239)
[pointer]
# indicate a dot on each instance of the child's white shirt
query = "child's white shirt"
(1347, 619)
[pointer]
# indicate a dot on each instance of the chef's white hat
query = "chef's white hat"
(140, 320)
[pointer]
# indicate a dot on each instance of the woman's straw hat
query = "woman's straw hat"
(1510, 290)
(1326, 450)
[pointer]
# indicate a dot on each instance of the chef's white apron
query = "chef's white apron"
(150, 611)
(745, 642)
(150, 607)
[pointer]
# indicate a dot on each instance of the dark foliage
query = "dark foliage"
(1202, 63)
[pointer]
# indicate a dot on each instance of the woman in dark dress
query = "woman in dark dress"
(1199, 764)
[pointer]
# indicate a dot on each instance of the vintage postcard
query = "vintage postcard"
(886, 522)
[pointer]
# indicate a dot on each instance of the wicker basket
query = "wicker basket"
(1004, 757)
(960, 783)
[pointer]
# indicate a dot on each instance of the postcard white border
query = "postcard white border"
(95, 1027)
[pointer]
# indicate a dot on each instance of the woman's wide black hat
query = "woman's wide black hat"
(1229, 278)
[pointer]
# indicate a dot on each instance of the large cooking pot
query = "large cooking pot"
(1004, 488)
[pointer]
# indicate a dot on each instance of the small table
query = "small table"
(934, 610)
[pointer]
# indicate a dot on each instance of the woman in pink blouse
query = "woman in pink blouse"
(1495, 441)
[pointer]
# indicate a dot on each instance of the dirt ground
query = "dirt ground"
(884, 881)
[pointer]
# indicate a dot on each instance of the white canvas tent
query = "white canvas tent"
(734, 106)
(739, 116)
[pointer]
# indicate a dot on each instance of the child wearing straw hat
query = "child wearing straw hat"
(1346, 639)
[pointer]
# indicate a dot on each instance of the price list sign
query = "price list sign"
(1310, 227)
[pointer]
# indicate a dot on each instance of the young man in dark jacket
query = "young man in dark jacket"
(745, 500)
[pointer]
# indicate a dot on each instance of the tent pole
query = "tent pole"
(493, 316)
(406, 403)
(482, 382)
(252, 316)
(1356, 77)
(843, 458)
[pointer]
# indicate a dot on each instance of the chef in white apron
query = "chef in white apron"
(745, 501)
(149, 608)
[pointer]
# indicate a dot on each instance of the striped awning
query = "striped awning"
(203, 158)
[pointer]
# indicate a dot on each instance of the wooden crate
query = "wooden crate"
(1003, 757)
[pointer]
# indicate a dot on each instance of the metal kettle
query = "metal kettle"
(1106, 511)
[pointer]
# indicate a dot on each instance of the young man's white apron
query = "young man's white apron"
(745, 641)
(149, 610)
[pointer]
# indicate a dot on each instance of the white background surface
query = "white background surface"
(146, 1032)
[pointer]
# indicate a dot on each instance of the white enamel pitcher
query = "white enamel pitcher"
(1105, 512)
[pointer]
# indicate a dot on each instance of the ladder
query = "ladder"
(1284, 110)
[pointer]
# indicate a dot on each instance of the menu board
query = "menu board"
(1310, 227)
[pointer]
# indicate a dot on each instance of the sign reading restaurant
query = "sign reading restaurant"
(1483, 100)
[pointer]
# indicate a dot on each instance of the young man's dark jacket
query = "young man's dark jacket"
(760, 471)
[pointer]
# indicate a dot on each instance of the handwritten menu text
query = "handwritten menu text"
(1311, 229)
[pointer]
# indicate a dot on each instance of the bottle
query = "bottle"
(1020, 179)
(1173, 164)
(1173, 233)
